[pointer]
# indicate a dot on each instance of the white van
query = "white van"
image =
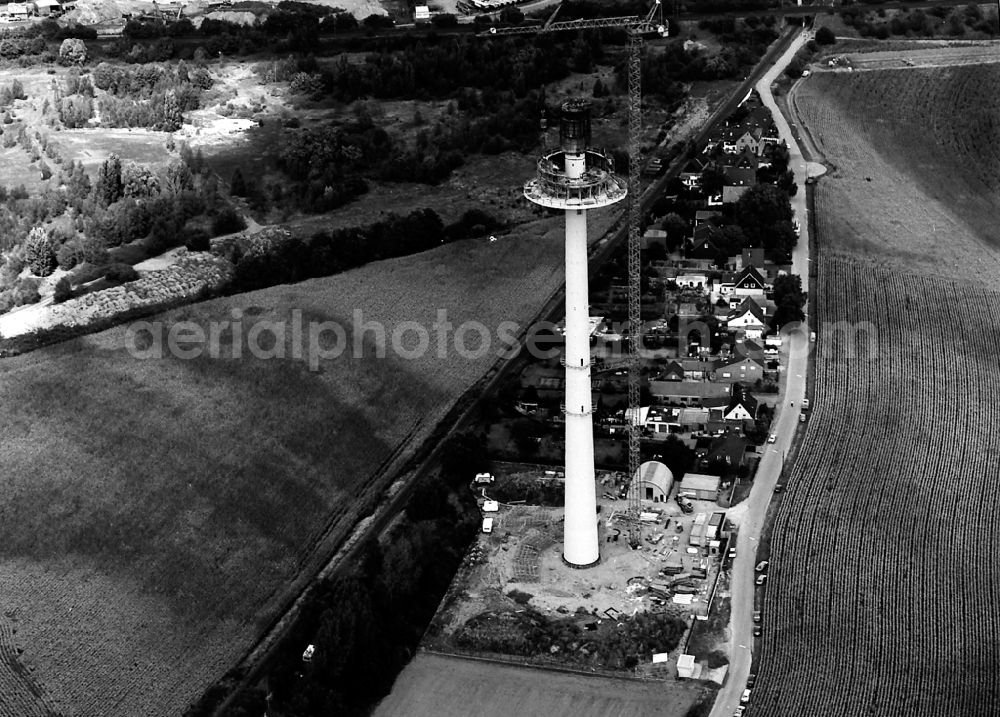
(487, 525)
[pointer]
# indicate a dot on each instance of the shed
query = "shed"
(655, 481)
(699, 486)
(421, 12)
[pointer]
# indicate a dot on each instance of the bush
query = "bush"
(72, 51)
(825, 36)
(68, 256)
(520, 597)
(197, 240)
(63, 290)
(26, 292)
(228, 221)
(121, 273)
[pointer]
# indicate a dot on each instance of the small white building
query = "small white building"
(699, 486)
(18, 11)
(421, 13)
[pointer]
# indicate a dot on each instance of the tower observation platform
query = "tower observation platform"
(575, 176)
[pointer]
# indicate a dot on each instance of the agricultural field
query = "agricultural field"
(876, 601)
(438, 686)
(157, 511)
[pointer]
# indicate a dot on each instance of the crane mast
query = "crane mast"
(636, 27)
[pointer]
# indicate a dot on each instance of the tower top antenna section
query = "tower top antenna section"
(575, 176)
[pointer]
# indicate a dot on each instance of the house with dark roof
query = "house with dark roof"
(727, 451)
(738, 177)
(690, 393)
(739, 369)
(702, 245)
(702, 216)
(691, 174)
(750, 282)
(748, 319)
(746, 160)
(673, 372)
(742, 406)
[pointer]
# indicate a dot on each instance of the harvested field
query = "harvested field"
(875, 603)
(438, 686)
(156, 511)
(891, 137)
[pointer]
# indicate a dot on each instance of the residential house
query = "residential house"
(739, 177)
(702, 216)
(690, 393)
(740, 369)
(728, 451)
(748, 319)
(673, 372)
(47, 7)
(696, 369)
(750, 282)
(702, 245)
(742, 407)
(691, 174)
(747, 160)
(654, 236)
(691, 281)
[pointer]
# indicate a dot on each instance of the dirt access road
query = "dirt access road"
(751, 513)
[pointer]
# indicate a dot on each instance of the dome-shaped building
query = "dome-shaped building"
(655, 482)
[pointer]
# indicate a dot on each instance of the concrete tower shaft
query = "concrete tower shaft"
(575, 179)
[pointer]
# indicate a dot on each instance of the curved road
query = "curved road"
(750, 514)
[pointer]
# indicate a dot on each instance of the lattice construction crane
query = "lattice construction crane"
(637, 28)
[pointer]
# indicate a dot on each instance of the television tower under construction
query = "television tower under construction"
(576, 178)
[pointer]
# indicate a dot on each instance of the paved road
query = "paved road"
(750, 514)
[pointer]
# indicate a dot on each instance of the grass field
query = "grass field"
(437, 686)
(156, 511)
(876, 603)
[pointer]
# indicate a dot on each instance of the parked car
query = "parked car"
(779, 487)
(762, 578)
(802, 418)
(772, 438)
(757, 630)
(751, 680)
(756, 617)
(746, 696)
(762, 566)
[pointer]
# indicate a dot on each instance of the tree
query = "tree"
(72, 51)
(109, 181)
(789, 300)
(139, 181)
(40, 252)
(825, 36)
(177, 178)
(62, 291)
(238, 186)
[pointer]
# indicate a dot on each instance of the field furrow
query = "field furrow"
(882, 593)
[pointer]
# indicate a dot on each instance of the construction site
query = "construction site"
(515, 582)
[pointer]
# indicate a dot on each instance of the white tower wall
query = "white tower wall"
(580, 540)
